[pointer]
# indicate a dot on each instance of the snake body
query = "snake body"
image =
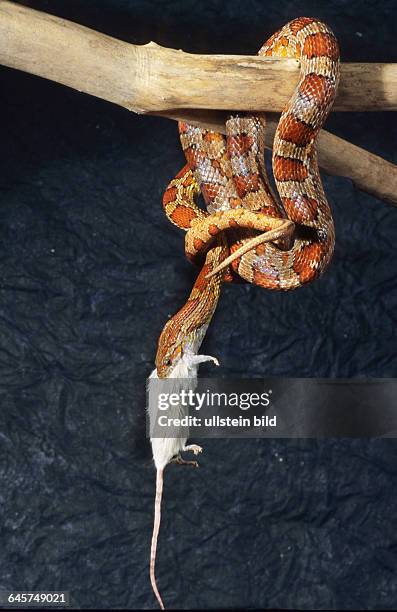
(246, 232)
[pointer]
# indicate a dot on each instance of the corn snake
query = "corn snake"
(296, 239)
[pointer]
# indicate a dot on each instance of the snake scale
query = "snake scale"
(296, 238)
(246, 233)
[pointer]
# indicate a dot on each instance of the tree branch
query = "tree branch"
(155, 80)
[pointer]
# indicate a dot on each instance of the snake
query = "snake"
(246, 233)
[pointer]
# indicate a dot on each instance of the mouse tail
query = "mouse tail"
(156, 529)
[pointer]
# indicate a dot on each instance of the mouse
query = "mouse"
(180, 375)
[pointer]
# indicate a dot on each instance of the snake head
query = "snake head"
(177, 350)
(169, 350)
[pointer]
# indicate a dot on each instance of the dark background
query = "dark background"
(90, 269)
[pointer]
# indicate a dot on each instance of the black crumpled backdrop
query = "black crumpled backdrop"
(90, 270)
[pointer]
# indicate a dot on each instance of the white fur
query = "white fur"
(184, 376)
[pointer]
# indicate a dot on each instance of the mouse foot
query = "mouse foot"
(194, 448)
(180, 461)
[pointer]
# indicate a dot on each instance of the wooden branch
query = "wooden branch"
(155, 80)
(149, 78)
